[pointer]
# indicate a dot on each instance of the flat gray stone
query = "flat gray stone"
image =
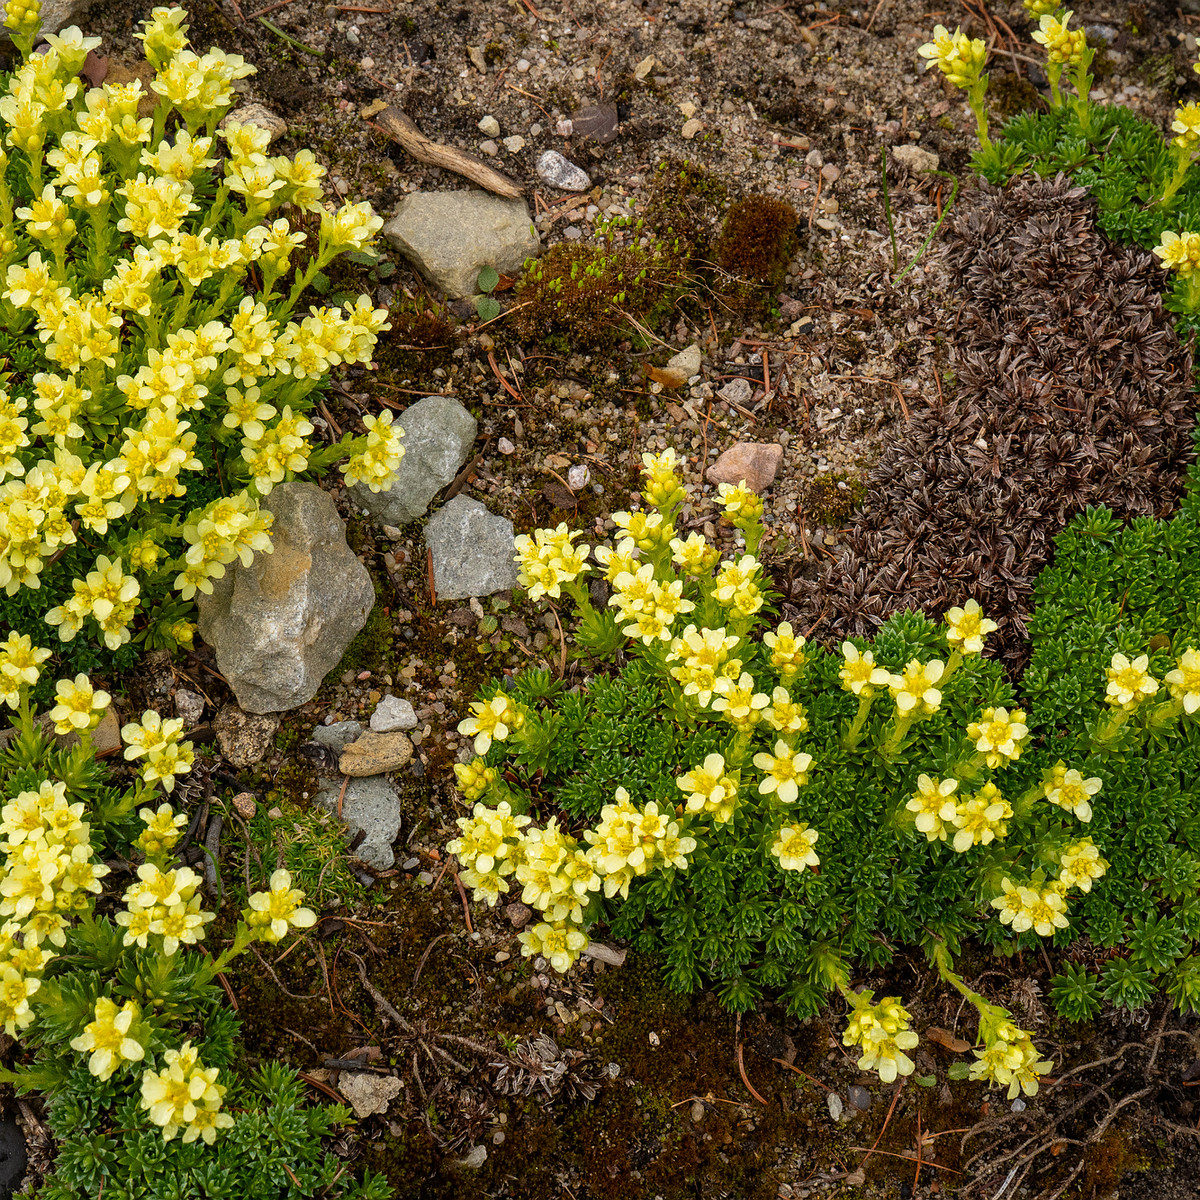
(438, 436)
(391, 714)
(472, 550)
(338, 735)
(282, 624)
(369, 804)
(451, 236)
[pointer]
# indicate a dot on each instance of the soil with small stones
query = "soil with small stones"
(794, 101)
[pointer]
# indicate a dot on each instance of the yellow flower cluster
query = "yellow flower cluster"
(138, 289)
(1040, 908)
(981, 818)
(20, 666)
(489, 847)
(793, 846)
(1179, 252)
(967, 628)
(737, 585)
(738, 702)
(1129, 683)
(694, 554)
(185, 1095)
(548, 560)
(703, 658)
(710, 789)
(934, 805)
(960, 58)
(108, 596)
(787, 651)
(108, 1040)
(1011, 1060)
(492, 720)
(1070, 791)
(1183, 682)
(273, 913)
(1186, 126)
(560, 945)
(999, 735)
(743, 507)
(158, 742)
(648, 605)
(882, 1032)
(165, 904)
(647, 531)
(556, 873)
(619, 561)
(164, 826)
(663, 488)
(79, 707)
(473, 778)
(630, 842)
(1079, 864)
(1064, 46)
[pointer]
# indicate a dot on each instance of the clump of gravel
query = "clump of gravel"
(1072, 390)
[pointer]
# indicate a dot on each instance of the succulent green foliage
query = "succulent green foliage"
(1075, 993)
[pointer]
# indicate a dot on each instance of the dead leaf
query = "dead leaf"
(373, 109)
(644, 67)
(95, 68)
(669, 377)
(675, 412)
(944, 1037)
(557, 462)
(558, 495)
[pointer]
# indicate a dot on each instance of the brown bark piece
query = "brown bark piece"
(399, 126)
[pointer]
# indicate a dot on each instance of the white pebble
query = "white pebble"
(505, 446)
(514, 144)
(489, 125)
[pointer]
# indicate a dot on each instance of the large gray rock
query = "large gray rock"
(282, 624)
(438, 435)
(372, 805)
(471, 549)
(451, 236)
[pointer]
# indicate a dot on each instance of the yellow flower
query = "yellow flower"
(738, 702)
(934, 804)
(999, 735)
(1041, 909)
(79, 707)
(1011, 1061)
(273, 913)
(914, 690)
(376, 465)
(663, 487)
(1183, 682)
(473, 779)
(967, 627)
(786, 772)
(493, 720)
(980, 819)
(1129, 683)
(708, 788)
(107, 1037)
(178, 1096)
(1079, 864)
(1070, 791)
(694, 554)
(793, 846)
(786, 715)
(487, 840)
(548, 560)
(1063, 46)
(20, 665)
(742, 506)
(859, 674)
(957, 56)
(787, 651)
(15, 991)
(646, 530)
(703, 656)
(882, 1031)
(1187, 125)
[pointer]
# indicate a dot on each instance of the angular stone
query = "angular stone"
(257, 114)
(736, 391)
(438, 436)
(688, 361)
(391, 714)
(280, 625)
(451, 236)
(916, 158)
(375, 753)
(562, 173)
(338, 735)
(245, 738)
(371, 805)
(755, 463)
(369, 1094)
(472, 550)
(189, 705)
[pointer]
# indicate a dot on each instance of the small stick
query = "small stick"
(399, 127)
(262, 12)
(381, 1001)
(341, 795)
(466, 907)
(212, 844)
(429, 569)
(891, 1109)
(742, 1066)
(504, 382)
(321, 1087)
(806, 1075)
(425, 958)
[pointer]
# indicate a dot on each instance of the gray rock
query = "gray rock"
(375, 753)
(189, 706)
(280, 625)
(370, 805)
(834, 1101)
(562, 173)
(391, 714)
(688, 361)
(369, 1094)
(451, 236)
(472, 550)
(256, 114)
(736, 391)
(915, 158)
(338, 735)
(55, 15)
(859, 1097)
(245, 738)
(472, 1160)
(438, 435)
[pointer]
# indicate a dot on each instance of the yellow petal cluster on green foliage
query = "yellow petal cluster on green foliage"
(151, 268)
